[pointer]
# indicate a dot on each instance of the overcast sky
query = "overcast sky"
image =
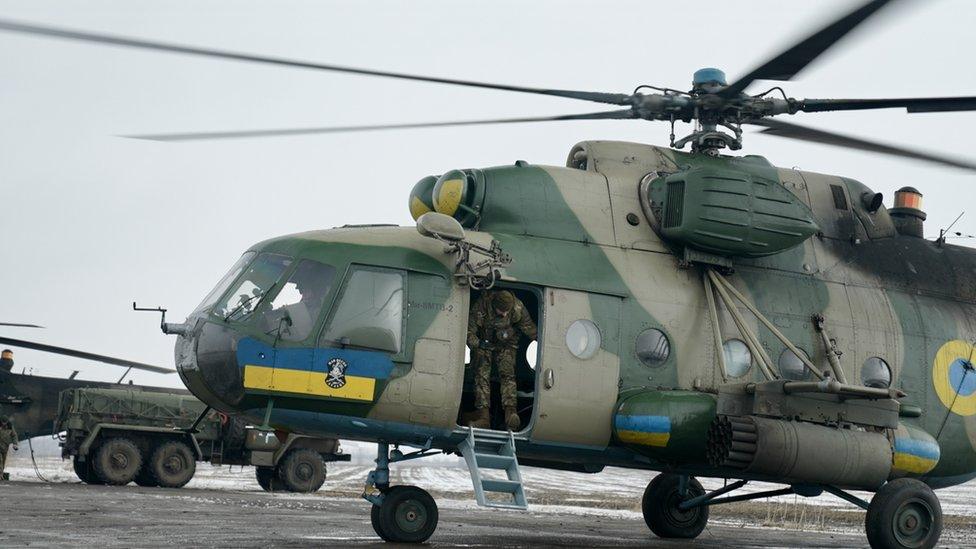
(90, 221)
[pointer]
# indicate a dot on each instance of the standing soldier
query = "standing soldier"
(6, 360)
(496, 320)
(8, 436)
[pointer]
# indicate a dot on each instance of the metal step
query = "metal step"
(493, 450)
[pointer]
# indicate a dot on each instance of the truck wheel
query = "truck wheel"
(144, 478)
(84, 471)
(172, 464)
(268, 479)
(117, 461)
(302, 470)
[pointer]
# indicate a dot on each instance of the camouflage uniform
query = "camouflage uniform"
(8, 436)
(494, 337)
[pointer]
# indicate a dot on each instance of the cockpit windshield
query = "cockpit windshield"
(295, 309)
(225, 282)
(259, 278)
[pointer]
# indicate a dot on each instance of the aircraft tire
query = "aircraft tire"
(660, 508)
(904, 513)
(408, 514)
(172, 464)
(84, 471)
(268, 479)
(374, 519)
(117, 461)
(302, 470)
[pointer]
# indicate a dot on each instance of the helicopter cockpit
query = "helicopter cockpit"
(305, 322)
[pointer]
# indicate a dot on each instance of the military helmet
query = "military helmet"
(503, 301)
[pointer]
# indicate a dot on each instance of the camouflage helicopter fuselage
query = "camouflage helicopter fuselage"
(580, 240)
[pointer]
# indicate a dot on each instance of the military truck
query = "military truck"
(118, 436)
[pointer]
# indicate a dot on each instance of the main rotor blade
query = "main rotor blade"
(197, 136)
(911, 104)
(85, 355)
(803, 133)
(18, 325)
(789, 63)
(68, 34)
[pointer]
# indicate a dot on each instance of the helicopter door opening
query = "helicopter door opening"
(527, 355)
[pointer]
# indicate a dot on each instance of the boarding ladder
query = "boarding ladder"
(487, 450)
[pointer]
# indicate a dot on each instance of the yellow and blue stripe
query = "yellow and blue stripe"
(303, 371)
(644, 430)
(915, 456)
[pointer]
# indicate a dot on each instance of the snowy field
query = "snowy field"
(613, 491)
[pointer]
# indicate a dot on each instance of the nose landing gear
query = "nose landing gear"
(400, 514)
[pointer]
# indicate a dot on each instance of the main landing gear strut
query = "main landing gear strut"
(400, 514)
(904, 513)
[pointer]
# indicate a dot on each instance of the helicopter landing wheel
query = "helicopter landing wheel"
(661, 512)
(407, 515)
(904, 513)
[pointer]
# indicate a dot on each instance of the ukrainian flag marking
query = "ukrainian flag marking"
(313, 372)
(305, 382)
(915, 456)
(644, 430)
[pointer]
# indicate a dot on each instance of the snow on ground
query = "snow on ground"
(614, 488)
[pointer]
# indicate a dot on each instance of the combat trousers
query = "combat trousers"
(3, 457)
(504, 361)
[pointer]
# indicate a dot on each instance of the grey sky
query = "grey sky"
(91, 222)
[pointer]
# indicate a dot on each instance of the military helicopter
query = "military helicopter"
(31, 401)
(699, 314)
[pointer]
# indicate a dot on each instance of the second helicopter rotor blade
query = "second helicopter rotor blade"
(788, 63)
(19, 325)
(85, 355)
(200, 136)
(911, 104)
(124, 41)
(804, 133)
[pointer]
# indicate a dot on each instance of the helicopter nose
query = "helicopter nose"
(206, 359)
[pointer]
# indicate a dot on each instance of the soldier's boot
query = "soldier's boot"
(479, 419)
(512, 420)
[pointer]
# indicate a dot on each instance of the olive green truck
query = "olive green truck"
(117, 436)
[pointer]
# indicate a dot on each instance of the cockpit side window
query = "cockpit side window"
(296, 308)
(258, 279)
(369, 313)
(225, 282)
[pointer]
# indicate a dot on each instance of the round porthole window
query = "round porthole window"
(738, 359)
(876, 373)
(653, 347)
(583, 338)
(790, 365)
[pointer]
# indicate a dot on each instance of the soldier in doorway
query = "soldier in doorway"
(8, 437)
(495, 324)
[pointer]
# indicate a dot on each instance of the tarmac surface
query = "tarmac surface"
(70, 514)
